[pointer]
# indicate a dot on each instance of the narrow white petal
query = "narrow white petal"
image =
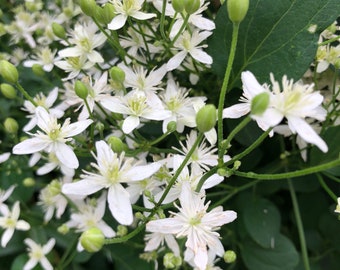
(6, 236)
(66, 155)
(168, 225)
(30, 146)
(306, 132)
(142, 172)
(130, 123)
(46, 264)
(30, 264)
(250, 85)
(142, 16)
(117, 22)
(48, 246)
(236, 111)
(82, 187)
(119, 204)
(76, 128)
(201, 56)
(176, 60)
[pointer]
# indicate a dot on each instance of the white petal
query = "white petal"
(48, 246)
(119, 204)
(82, 187)
(30, 146)
(117, 22)
(130, 123)
(46, 264)
(250, 85)
(142, 16)
(306, 132)
(76, 128)
(236, 111)
(176, 60)
(142, 172)
(30, 264)
(201, 56)
(22, 225)
(66, 155)
(166, 225)
(6, 236)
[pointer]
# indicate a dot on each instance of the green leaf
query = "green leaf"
(274, 37)
(262, 221)
(283, 255)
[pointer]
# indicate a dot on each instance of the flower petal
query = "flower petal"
(119, 204)
(82, 187)
(30, 146)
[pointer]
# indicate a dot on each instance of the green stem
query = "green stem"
(326, 188)
(183, 26)
(329, 41)
(299, 225)
(162, 20)
(26, 95)
(310, 170)
(224, 88)
(223, 146)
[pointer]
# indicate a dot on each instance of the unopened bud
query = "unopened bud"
(107, 13)
(58, 30)
(178, 5)
(237, 10)
(54, 188)
(191, 6)
(28, 182)
(122, 230)
(206, 118)
(229, 256)
(63, 229)
(38, 70)
(117, 74)
(88, 7)
(259, 103)
(92, 240)
(11, 125)
(8, 91)
(116, 144)
(81, 89)
(171, 126)
(170, 261)
(8, 71)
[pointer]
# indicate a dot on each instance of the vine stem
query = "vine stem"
(299, 225)
(26, 95)
(224, 90)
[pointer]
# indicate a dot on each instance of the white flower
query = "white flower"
(189, 44)
(74, 65)
(85, 39)
(127, 8)
(42, 101)
(199, 226)
(9, 221)
(37, 254)
(44, 57)
(136, 105)
(90, 214)
(113, 171)
(53, 138)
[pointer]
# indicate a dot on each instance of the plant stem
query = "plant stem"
(26, 95)
(310, 170)
(224, 89)
(299, 225)
(326, 188)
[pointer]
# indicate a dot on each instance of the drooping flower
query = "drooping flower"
(197, 225)
(37, 252)
(53, 139)
(113, 171)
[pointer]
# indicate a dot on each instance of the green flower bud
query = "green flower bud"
(222, 172)
(259, 103)
(237, 10)
(229, 256)
(191, 6)
(237, 164)
(171, 126)
(63, 229)
(11, 125)
(88, 7)
(117, 74)
(28, 182)
(170, 261)
(100, 127)
(92, 240)
(107, 13)
(178, 5)
(58, 30)
(8, 71)
(38, 70)
(122, 230)
(206, 118)
(8, 91)
(81, 89)
(116, 144)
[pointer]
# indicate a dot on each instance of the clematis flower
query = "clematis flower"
(113, 171)
(37, 254)
(127, 8)
(53, 138)
(189, 44)
(10, 222)
(197, 225)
